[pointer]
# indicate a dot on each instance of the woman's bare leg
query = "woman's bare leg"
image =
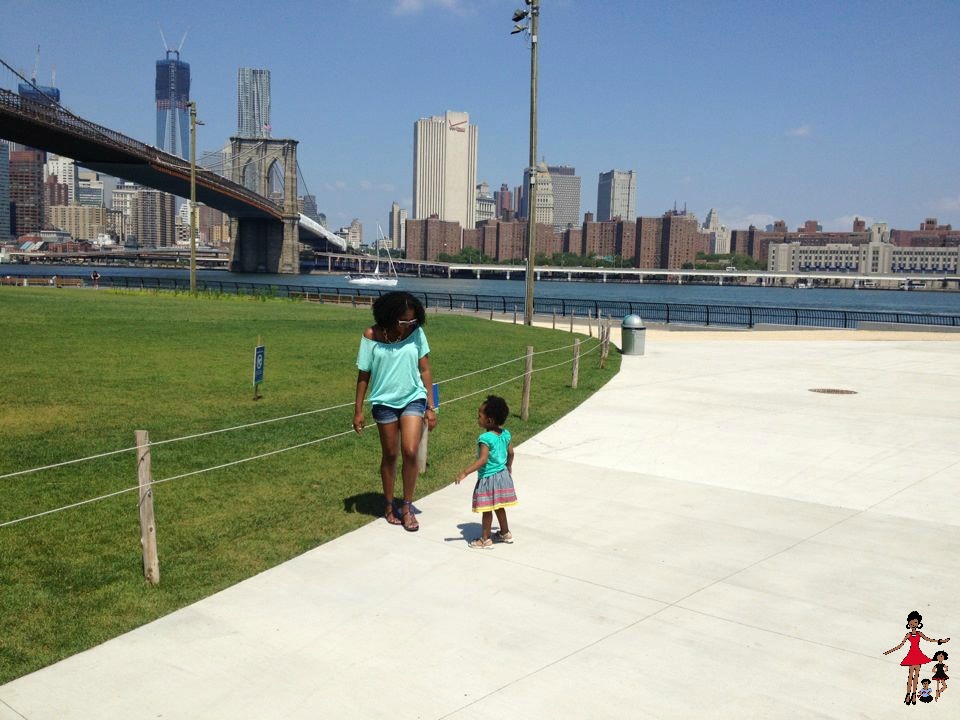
(389, 446)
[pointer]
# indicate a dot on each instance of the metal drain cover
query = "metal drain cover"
(833, 391)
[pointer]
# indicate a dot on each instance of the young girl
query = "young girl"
(915, 657)
(494, 490)
(940, 671)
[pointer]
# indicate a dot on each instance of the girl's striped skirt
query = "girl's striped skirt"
(494, 492)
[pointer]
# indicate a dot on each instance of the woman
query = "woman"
(394, 363)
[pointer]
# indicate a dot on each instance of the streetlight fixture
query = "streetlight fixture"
(533, 13)
(193, 194)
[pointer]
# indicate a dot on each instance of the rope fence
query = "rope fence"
(147, 445)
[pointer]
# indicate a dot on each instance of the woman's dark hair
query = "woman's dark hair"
(941, 652)
(496, 409)
(914, 615)
(388, 308)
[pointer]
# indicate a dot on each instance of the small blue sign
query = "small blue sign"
(259, 354)
(436, 396)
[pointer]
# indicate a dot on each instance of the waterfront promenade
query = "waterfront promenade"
(703, 538)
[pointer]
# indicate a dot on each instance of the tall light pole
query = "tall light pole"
(534, 29)
(193, 194)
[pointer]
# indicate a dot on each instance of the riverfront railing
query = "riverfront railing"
(744, 316)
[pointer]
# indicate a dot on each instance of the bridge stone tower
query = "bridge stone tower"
(265, 245)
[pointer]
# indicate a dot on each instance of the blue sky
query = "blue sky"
(764, 110)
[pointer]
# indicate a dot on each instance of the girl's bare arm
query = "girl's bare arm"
(481, 461)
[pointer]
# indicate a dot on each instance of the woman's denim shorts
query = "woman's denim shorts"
(384, 414)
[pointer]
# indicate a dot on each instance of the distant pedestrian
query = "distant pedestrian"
(95, 276)
(494, 491)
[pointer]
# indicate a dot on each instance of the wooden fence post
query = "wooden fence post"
(571, 321)
(514, 314)
(491, 313)
(590, 323)
(575, 378)
(527, 374)
(554, 319)
(604, 343)
(422, 449)
(148, 526)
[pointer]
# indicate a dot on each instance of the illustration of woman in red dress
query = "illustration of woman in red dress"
(915, 657)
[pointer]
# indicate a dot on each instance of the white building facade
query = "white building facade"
(445, 168)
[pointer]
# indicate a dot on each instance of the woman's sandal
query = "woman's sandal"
(389, 515)
(410, 525)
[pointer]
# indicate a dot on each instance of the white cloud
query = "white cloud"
(738, 220)
(949, 204)
(381, 187)
(802, 131)
(413, 7)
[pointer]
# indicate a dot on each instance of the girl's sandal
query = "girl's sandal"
(389, 515)
(480, 543)
(503, 537)
(410, 523)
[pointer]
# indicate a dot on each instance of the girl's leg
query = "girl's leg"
(487, 524)
(502, 519)
(411, 427)
(389, 446)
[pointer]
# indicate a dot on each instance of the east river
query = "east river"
(918, 301)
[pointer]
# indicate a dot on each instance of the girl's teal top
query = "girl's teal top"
(394, 369)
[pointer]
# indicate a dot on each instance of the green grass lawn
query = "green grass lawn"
(82, 370)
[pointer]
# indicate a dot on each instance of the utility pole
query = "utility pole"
(534, 29)
(193, 195)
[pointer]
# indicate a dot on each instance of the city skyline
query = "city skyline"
(765, 113)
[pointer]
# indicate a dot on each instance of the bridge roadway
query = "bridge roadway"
(554, 272)
(99, 148)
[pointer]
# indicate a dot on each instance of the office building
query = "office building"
(486, 208)
(397, 227)
(26, 191)
(616, 195)
(253, 103)
(43, 94)
(445, 168)
(566, 196)
(54, 193)
(82, 222)
(503, 199)
(719, 234)
(5, 230)
(544, 210)
(66, 171)
(153, 219)
(172, 95)
(670, 241)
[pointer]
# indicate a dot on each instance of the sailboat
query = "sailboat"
(376, 277)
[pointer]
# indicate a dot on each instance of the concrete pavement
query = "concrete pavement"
(704, 537)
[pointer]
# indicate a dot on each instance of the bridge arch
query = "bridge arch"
(258, 246)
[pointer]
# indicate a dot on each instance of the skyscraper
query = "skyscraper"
(445, 168)
(5, 233)
(566, 196)
(253, 103)
(616, 195)
(26, 191)
(66, 171)
(152, 218)
(173, 94)
(504, 200)
(397, 227)
(545, 203)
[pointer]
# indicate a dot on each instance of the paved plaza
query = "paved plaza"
(703, 538)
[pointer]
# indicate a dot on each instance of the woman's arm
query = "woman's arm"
(363, 379)
(426, 375)
(481, 461)
(898, 646)
(930, 639)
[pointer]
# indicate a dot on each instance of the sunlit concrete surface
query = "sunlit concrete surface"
(703, 538)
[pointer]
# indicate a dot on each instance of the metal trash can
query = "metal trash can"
(633, 335)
